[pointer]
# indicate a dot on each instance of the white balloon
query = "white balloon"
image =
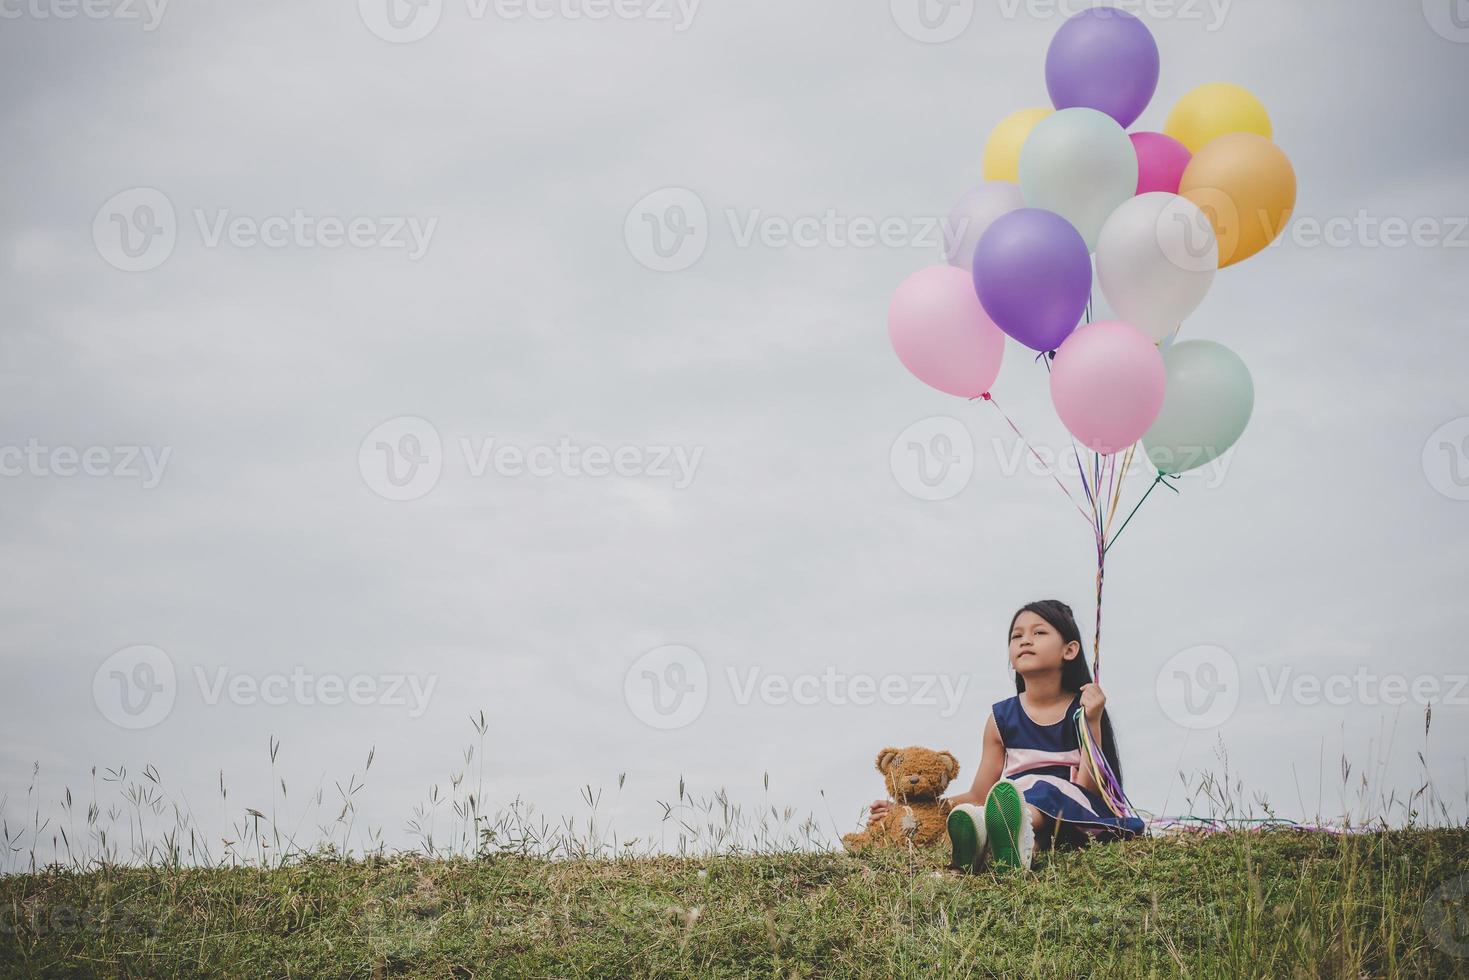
(975, 212)
(1080, 164)
(1156, 258)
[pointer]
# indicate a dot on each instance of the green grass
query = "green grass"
(1278, 904)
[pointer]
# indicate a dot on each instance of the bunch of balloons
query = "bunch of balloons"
(1071, 199)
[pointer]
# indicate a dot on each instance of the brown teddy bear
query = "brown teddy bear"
(915, 779)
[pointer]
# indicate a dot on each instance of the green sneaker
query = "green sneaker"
(967, 834)
(1011, 837)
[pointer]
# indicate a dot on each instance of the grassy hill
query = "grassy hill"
(1279, 904)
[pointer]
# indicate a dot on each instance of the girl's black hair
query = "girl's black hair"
(1074, 673)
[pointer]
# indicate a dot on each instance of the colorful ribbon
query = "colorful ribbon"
(1109, 787)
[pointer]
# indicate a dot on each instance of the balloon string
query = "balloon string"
(1117, 489)
(1097, 637)
(1100, 470)
(1159, 479)
(1109, 787)
(1026, 443)
(1081, 470)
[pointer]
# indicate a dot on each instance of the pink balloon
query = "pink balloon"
(1107, 384)
(942, 334)
(1160, 162)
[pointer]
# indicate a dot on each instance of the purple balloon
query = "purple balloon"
(1103, 59)
(1033, 275)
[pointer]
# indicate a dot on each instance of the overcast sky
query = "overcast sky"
(280, 282)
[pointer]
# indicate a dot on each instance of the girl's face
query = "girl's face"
(1036, 647)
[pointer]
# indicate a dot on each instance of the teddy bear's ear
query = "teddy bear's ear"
(885, 759)
(951, 764)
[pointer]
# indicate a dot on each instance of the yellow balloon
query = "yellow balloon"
(1211, 111)
(1002, 149)
(1246, 187)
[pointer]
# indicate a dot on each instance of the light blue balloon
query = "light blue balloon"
(1080, 164)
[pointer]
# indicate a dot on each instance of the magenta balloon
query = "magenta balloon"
(1161, 161)
(942, 334)
(1103, 59)
(1033, 274)
(1107, 384)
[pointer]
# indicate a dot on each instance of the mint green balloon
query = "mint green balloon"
(1206, 406)
(1080, 164)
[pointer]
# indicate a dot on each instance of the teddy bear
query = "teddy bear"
(915, 778)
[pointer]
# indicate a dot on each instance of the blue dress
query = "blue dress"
(1043, 761)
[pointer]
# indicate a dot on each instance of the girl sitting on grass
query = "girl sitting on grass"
(1031, 782)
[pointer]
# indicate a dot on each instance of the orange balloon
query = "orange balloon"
(1247, 188)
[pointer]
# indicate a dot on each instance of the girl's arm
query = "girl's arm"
(991, 766)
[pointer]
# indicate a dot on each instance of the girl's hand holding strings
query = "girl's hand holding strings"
(878, 810)
(1093, 700)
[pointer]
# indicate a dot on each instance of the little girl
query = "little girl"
(1031, 782)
